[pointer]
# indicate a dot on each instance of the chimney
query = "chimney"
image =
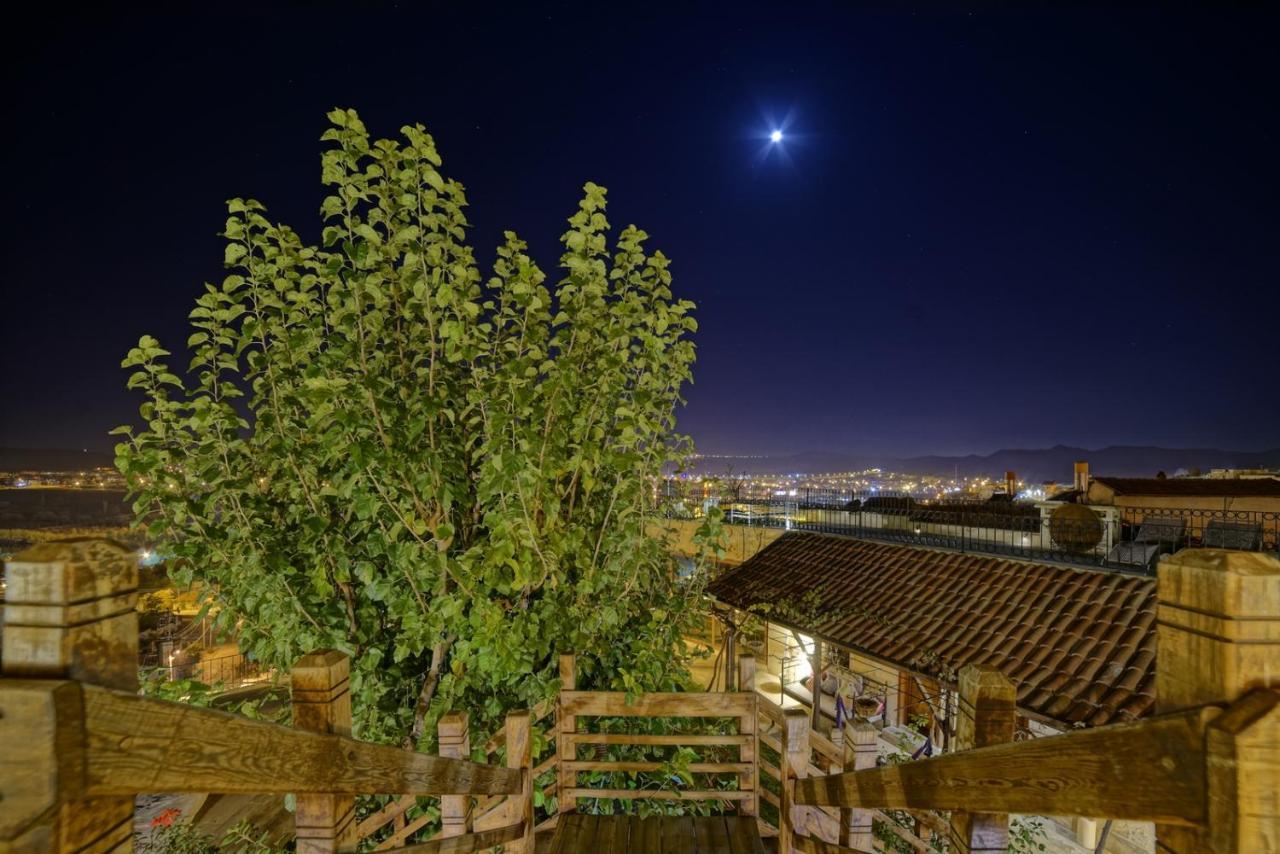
(1082, 475)
(1011, 484)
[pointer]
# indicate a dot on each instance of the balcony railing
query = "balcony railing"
(1124, 539)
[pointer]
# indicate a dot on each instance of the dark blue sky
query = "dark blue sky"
(991, 228)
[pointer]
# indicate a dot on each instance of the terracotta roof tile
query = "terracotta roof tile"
(1080, 644)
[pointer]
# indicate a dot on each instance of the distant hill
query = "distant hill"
(52, 459)
(1034, 465)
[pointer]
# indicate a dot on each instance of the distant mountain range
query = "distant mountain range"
(53, 459)
(1033, 465)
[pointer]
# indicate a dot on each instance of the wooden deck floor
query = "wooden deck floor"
(607, 834)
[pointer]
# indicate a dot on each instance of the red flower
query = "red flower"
(165, 819)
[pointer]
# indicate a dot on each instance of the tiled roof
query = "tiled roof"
(1194, 486)
(1079, 644)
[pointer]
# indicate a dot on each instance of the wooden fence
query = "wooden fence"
(77, 742)
(1206, 770)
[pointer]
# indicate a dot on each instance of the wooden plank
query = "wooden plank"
(607, 832)
(710, 835)
(901, 832)
(633, 767)
(1153, 770)
(662, 794)
(648, 836)
(385, 815)
(405, 829)
(692, 704)
(674, 739)
(810, 845)
(769, 797)
(140, 745)
(465, 844)
(769, 768)
(677, 835)
(744, 838)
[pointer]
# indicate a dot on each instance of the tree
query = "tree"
(448, 478)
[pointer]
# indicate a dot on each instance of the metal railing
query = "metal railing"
(1126, 539)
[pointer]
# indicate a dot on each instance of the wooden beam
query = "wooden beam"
(641, 738)
(321, 700)
(482, 841)
(138, 745)
(614, 704)
(1153, 770)
(663, 794)
(988, 716)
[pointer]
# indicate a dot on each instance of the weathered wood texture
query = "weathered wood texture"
(793, 765)
(481, 841)
(860, 754)
(70, 614)
(1244, 775)
(454, 738)
(137, 744)
(613, 704)
(321, 700)
(988, 716)
(566, 726)
(616, 834)
(1152, 770)
(520, 757)
(1218, 637)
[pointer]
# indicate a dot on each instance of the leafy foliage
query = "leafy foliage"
(447, 477)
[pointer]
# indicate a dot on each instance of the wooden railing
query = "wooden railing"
(574, 708)
(77, 742)
(1206, 771)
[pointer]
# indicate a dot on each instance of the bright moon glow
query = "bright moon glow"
(776, 136)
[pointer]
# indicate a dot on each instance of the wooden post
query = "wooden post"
(793, 764)
(565, 725)
(520, 755)
(71, 614)
(455, 743)
(859, 754)
(321, 701)
(748, 724)
(817, 686)
(1216, 639)
(747, 672)
(730, 652)
(987, 716)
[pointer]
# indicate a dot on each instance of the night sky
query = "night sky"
(983, 228)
